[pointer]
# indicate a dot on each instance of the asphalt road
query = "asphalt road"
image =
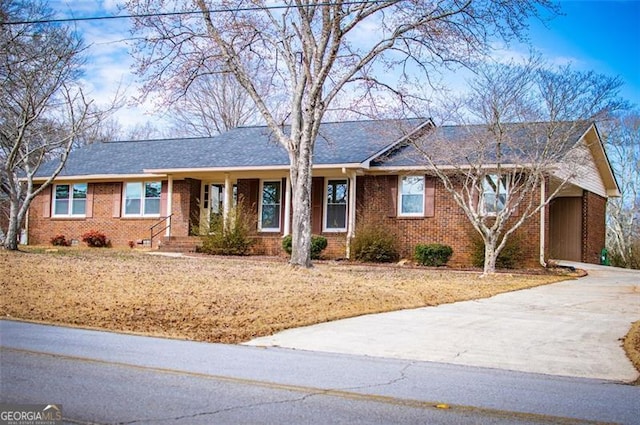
(101, 377)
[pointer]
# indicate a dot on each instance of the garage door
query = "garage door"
(565, 229)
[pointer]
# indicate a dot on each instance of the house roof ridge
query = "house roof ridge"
(584, 121)
(371, 120)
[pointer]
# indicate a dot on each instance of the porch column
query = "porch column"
(351, 226)
(543, 218)
(167, 232)
(228, 199)
(287, 207)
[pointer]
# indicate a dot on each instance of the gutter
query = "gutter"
(543, 189)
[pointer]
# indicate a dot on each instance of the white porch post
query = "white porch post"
(167, 232)
(351, 227)
(228, 199)
(287, 207)
(543, 218)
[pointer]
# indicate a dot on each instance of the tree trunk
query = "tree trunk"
(490, 256)
(11, 238)
(301, 208)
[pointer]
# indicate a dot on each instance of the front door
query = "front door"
(212, 205)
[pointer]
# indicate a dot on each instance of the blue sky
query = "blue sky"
(599, 35)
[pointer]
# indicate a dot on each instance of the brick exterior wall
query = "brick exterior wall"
(449, 225)
(593, 226)
(119, 230)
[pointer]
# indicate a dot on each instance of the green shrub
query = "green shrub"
(318, 244)
(509, 258)
(95, 239)
(234, 240)
(433, 255)
(375, 242)
(59, 240)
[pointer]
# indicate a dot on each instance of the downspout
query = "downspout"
(543, 189)
(167, 232)
(287, 207)
(352, 212)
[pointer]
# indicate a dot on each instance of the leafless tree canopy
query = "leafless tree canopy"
(518, 125)
(42, 109)
(623, 213)
(310, 53)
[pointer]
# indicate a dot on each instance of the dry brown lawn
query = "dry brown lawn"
(220, 299)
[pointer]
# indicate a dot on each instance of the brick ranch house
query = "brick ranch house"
(123, 189)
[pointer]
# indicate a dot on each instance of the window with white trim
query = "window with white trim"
(336, 205)
(142, 198)
(270, 204)
(495, 191)
(411, 196)
(70, 200)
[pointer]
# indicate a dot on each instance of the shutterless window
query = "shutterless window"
(270, 206)
(142, 198)
(412, 195)
(336, 211)
(70, 199)
(495, 192)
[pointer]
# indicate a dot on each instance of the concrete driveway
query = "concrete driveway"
(571, 328)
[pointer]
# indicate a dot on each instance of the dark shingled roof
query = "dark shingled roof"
(337, 143)
(459, 144)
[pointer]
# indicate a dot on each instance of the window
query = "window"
(270, 206)
(336, 207)
(142, 198)
(494, 194)
(411, 197)
(70, 199)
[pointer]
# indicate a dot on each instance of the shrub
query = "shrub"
(433, 255)
(509, 258)
(60, 240)
(318, 244)
(95, 239)
(375, 242)
(234, 240)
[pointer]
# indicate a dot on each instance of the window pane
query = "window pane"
(152, 206)
(412, 204)
(133, 191)
(412, 195)
(336, 216)
(271, 216)
(80, 191)
(152, 189)
(62, 191)
(79, 206)
(132, 206)
(271, 193)
(495, 193)
(61, 206)
(337, 192)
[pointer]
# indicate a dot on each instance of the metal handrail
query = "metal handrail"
(167, 226)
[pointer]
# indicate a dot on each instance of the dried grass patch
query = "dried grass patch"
(632, 346)
(220, 299)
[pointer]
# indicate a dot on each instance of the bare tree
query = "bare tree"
(42, 109)
(311, 52)
(213, 104)
(623, 213)
(518, 125)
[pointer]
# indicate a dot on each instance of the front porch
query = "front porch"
(265, 198)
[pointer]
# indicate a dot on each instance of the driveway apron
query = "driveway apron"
(571, 328)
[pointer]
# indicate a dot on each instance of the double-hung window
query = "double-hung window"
(270, 206)
(70, 200)
(411, 199)
(494, 194)
(336, 206)
(142, 198)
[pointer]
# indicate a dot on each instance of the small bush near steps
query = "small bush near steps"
(95, 239)
(60, 240)
(433, 255)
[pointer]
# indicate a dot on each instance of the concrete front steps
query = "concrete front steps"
(182, 244)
